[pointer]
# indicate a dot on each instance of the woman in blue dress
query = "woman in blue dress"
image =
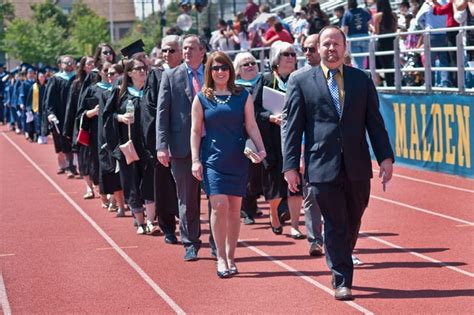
(221, 114)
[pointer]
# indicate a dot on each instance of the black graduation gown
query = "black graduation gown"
(165, 186)
(274, 184)
(136, 186)
(89, 155)
(55, 100)
(254, 187)
(109, 180)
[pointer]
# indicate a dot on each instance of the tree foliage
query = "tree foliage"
(51, 33)
(48, 10)
(87, 29)
(33, 43)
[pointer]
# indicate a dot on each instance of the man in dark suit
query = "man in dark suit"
(166, 202)
(335, 105)
(173, 132)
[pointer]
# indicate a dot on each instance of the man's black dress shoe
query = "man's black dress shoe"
(316, 249)
(343, 294)
(191, 254)
(171, 239)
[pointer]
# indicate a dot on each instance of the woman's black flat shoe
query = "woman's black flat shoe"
(233, 271)
(223, 274)
(277, 230)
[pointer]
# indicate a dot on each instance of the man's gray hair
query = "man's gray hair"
(172, 39)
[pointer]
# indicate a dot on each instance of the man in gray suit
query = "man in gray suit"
(312, 213)
(335, 106)
(173, 131)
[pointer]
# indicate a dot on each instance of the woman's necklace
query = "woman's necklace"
(219, 101)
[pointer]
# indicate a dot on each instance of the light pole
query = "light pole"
(111, 22)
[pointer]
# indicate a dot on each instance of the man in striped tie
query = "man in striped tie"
(334, 105)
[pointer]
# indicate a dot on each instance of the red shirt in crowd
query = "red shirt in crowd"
(284, 36)
(446, 9)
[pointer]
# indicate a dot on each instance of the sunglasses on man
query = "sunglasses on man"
(169, 51)
(312, 50)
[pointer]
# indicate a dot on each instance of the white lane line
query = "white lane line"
(6, 255)
(4, 298)
(464, 272)
(431, 183)
(303, 276)
(463, 225)
(423, 210)
(104, 235)
(122, 247)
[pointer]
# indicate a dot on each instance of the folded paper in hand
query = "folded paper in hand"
(29, 117)
(273, 100)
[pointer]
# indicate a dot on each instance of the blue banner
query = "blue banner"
(430, 131)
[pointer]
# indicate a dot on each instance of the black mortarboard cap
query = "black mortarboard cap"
(15, 70)
(24, 66)
(133, 48)
(1, 65)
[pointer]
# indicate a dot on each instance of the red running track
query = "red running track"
(60, 253)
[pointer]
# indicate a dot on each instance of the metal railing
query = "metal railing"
(428, 70)
(460, 49)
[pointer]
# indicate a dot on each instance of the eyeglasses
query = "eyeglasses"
(289, 54)
(169, 51)
(249, 64)
(222, 68)
(106, 52)
(141, 68)
(69, 63)
(310, 49)
(90, 63)
(111, 74)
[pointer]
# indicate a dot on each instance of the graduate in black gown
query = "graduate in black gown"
(165, 188)
(87, 113)
(55, 100)
(109, 179)
(72, 123)
(138, 189)
(103, 53)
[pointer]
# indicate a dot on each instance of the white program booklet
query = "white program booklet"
(273, 100)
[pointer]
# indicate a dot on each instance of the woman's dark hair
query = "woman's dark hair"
(118, 68)
(126, 79)
(388, 19)
(244, 28)
(222, 58)
(352, 4)
(278, 27)
(98, 53)
(81, 71)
